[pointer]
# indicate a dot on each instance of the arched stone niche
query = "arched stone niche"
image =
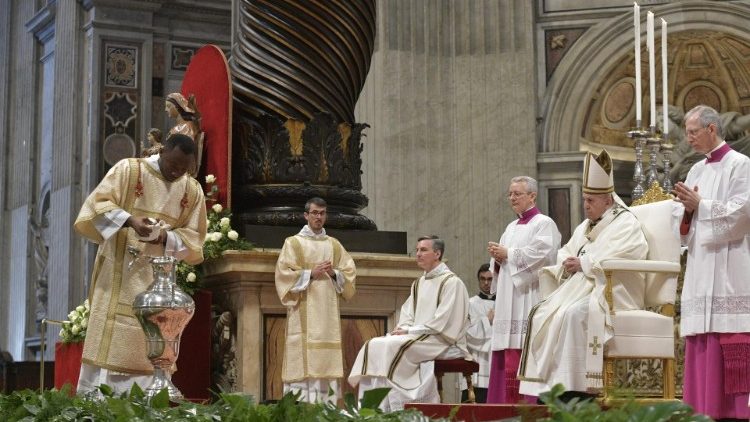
(589, 102)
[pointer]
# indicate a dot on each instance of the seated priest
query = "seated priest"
(432, 325)
(568, 329)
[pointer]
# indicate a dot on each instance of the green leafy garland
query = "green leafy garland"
(54, 405)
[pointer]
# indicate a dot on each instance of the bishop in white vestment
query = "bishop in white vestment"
(712, 214)
(568, 328)
(529, 243)
(432, 324)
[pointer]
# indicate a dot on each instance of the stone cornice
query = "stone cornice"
(42, 25)
(257, 267)
(196, 8)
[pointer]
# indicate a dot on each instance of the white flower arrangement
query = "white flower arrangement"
(219, 237)
(74, 329)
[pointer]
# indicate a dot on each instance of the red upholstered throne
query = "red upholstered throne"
(208, 78)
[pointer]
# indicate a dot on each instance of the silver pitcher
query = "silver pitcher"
(164, 311)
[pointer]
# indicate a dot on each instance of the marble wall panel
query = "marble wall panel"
(5, 48)
(450, 100)
(18, 293)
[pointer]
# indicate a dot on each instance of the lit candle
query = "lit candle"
(664, 81)
(651, 65)
(637, 24)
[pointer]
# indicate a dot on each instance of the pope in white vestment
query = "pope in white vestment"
(432, 324)
(712, 215)
(528, 243)
(569, 327)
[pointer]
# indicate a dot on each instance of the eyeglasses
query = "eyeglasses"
(512, 195)
(317, 213)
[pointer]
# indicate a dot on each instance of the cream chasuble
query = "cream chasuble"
(313, 327)
(436, 315)
(568, 328)
(531, 246)
(716, 293)
(114, 338)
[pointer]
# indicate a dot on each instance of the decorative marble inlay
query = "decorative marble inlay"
(121, 66)
(120, 125)
(181, 56)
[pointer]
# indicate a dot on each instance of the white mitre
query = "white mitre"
(598, 173)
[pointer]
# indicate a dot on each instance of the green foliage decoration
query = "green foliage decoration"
(59, 406)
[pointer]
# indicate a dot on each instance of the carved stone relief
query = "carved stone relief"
(705, 67)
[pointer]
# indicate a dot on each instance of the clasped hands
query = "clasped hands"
(497, 251)
(572, 264)
(324, 267)
(689, 198)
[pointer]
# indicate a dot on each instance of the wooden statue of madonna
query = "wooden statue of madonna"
(187, 122)
(154, 139)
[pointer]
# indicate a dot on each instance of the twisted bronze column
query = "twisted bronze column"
(298, 67)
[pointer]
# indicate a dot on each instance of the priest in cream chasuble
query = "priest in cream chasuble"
(568, 329)
(116, 216)
(712, 215)
(312, 272)
(432, 324)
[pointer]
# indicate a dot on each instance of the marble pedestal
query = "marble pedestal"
(249, 330)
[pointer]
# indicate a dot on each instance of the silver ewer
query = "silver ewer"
(164, 311)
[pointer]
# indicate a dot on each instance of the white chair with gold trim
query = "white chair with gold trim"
(643, 334)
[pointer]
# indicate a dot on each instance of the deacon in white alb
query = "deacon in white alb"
(479, 335)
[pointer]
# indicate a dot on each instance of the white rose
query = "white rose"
(84, 323)
(217, 236)
(75, 329)
(86, 303)
(208, 222)
(217, 208)
(224, 222)
(80, 308)
(191, 277)
(209, 237)
(210, 178)
(233, 235)
(72, 315)
(62, 332)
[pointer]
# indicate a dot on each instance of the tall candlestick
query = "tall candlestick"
(637, 24)
(664, 81)
(651, 65)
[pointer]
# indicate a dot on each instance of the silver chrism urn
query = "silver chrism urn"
(164, 311)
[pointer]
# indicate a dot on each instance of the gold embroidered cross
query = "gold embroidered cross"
(595, 345)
